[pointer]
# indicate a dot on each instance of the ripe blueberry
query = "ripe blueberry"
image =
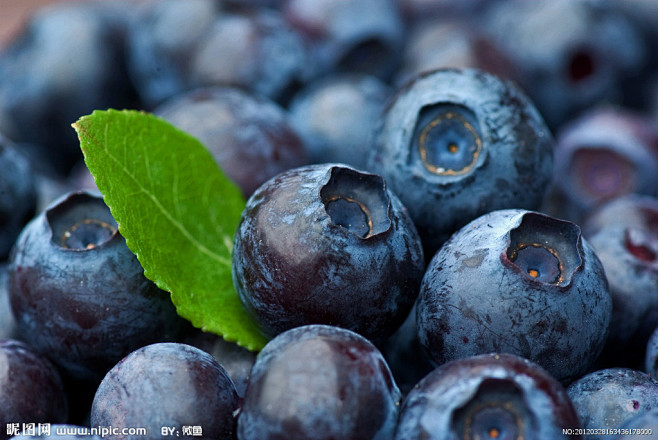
(608, 398)
(518, 282)
(319, 382)
(77, 292)
(167, 385)
(490, 396)
(455, 144)
(327, 244)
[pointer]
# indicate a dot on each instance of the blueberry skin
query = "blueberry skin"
(519, 282)
(30, 386)
(486, 147)
(337, 114)
(611, 397)
(250, 136)
(319, 382)
(18, 195)
(80, 296)
(304, 254)
(487, 396)
(622, 232)
(167, 384)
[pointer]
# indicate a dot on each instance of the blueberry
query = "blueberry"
(608, 398)
(569, 54)
(250, 136)
(336, 116)
(363, 36)
(490, 396)
(212, 46)
(77, 292)
(18, 195)
(68, 61)
(624, 235)
(456, 143)
(319, 382)
(327, 244)
(30, 386)
(518, 282)
(603, 154)
(167, 385)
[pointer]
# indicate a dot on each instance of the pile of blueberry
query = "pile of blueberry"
(451, 228)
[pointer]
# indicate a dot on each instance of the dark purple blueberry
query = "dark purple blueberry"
(327, 244)
(319, 382)
(518, 282)
(18, 194)
(177, 46)
(30, 386)
(168, 389)
(490, 396)
(250, 136)
(457, 143)
(337, 114)
(604, 154)
(624, 235)
(611, 397)
(68, 61)
(569, 54)
(350, 36)
(77, 292)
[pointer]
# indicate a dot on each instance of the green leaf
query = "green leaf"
(177, 211)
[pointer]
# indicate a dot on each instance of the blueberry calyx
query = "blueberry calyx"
(639, 244)
(497, 410)
(545, 249)
(357, 202)
(81, 222)
(538, 261)
(602, 173)
(87, 234)
(581, 65)
(448, 139)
